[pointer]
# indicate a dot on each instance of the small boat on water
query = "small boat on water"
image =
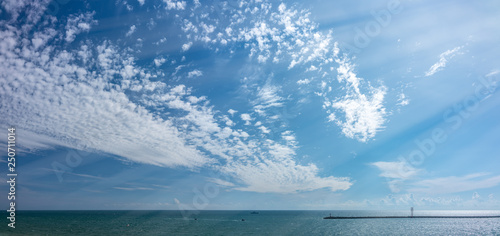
(254, 212)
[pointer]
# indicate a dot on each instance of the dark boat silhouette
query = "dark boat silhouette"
(254, 212)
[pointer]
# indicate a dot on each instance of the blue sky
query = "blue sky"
(252, 104)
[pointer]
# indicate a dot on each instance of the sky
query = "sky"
(257, 104)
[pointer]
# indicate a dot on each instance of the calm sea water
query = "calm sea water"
(230, 223)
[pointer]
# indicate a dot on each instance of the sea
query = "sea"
(246, 223)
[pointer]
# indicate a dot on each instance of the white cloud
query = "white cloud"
(141, 2)
(197, 3)
(252, 161)
(443, 59)
(456, 184)
(79, 108)
(284, 177)
(262, 58)
(282, 32)
(232, 112)
(189, 26)
(186, 46)
(288, 136)
(86, 106)
(403, 100)
(493, 72)
(312, 68)
(364, 114)
(195, 73)
(173, 4)
(131, 31)
(78, 24)
(303, 81)
(264, 129)
(15, 7)
(11, 5)
(221, 182)
(75, 174)
(162, 40)
(159, 61)
(246, 117)
(208, 29)
(36, 142)
(396, 170)
(289, 36)
(267, 97)
(286, 19)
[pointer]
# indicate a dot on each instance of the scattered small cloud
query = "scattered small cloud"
(186, 46)
(159, 61)
(264, 129)
(403, 100)
(78, 24)
(232, 112)
(267, 97)
(195, 73)
(443, 59)
(174, 5)
(303, 81)
(246, 117)
(131, 31)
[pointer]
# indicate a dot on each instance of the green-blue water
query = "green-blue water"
(230, 223)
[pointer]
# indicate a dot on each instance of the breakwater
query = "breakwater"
(394, 217)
